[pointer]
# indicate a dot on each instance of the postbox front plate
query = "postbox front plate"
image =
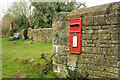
(75, 36)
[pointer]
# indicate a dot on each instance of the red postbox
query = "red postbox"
(75, 36)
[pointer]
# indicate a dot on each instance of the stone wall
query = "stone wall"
(100, 55)
(41, 34)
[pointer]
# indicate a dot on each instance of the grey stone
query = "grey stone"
(99, 41)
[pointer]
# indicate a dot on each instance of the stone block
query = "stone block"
(74, 57)
(87, 27)
(91, 45)
(85, 60)
(59, 16)
(92, 67)
(112, 19)
(86, 36)
(60, 49)
(95, 36)
(110, 69)
(114, 76)
(95, 50)
(114, 29)
(61, 71)
(55, 58)
(105, 41)
(111, 58)
(100, 74)
(86, 49)
(90, 72)
(104, 50)
(54, 49)
(88, 55)
(100, 62)
(112, 51)
(96, 73)
(96, 27)
(115, 41)
(101, 68)
(107, 20)
(105, 46)
(116, 70)
(80, 66)
(101, 31)
(87, 31)
(60, 59)
(110, 63)
(118, 64)
(84, 44)
(87, 41)
(104, 37)
(114, 36)
(87, 20)
(105, 27)
(99, 20)
(40, 38)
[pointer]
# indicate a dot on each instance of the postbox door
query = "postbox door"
(75, 42)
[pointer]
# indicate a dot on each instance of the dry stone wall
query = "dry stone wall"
(100, 55)
(41, 34)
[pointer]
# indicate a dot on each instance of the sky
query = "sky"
(5, 4)
(90, 3)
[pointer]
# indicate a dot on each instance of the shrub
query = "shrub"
(25, 33)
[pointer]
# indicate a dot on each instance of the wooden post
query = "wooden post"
(11, 29)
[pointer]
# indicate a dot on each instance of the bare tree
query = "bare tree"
(79, 5)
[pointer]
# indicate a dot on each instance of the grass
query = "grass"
(16, 51)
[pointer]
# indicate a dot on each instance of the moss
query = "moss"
(56, 34)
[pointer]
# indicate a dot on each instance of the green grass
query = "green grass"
(18, 52)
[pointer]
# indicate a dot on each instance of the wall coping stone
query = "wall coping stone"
(96, 10)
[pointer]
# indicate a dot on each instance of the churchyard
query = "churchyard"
(22, 59)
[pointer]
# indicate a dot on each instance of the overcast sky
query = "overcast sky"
(90, 3)
(4, 4)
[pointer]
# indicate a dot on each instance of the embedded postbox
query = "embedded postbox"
(75, 36)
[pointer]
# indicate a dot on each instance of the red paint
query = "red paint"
(75, 30)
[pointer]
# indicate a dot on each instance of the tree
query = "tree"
(79, 5)
(21, 12)
(18, 13)
(43, 12)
